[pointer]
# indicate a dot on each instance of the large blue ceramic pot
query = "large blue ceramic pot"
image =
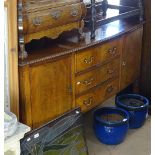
(137, 107)
(111, 125)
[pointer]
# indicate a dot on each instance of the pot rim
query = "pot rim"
(128, 107)
(115, 110)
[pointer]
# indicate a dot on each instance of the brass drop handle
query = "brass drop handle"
(89, 60)
(110, 50)
(88, 102)
(110, 89)
(74, 12)
(56, 14)
(110, 71)
(113, 50)
(124, 63)
(36, 21)
(88, 82)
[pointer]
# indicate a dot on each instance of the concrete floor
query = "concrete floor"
(137, 142)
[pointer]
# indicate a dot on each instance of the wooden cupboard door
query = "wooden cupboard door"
(131, 58)
(51, 93)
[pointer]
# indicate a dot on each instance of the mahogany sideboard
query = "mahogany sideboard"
(70, 74)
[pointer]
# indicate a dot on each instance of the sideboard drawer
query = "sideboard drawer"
(87, 58)
(97, 95)
(97, 54)
(53, 17)
(100, 74)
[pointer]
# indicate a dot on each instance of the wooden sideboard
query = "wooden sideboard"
(85, 77)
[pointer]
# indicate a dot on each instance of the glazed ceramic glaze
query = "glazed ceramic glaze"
(111, 125)
(137, 107)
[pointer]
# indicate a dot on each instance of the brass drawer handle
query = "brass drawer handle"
(112, 51)
(36, 21)
(115, 49)
(74, 12)
(124, 63)
(56, 14)
(88, 102)
(110, 89)
(88, 82)
(109, 50)
(110, 71)
(89, 60)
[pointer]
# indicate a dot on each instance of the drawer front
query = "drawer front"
(110, 49)
(35, 5)
(86, 59)
(97, 95)
(92, 78)
(50, 18)
(97, 55)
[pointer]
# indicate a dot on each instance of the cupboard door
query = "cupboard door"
(51, 93)
(131, 58)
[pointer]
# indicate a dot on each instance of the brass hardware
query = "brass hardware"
(88, 82)
(89, 60)
(78, 83)
(124, 63)
(109, 50)
(56, 14)
(110, 89)
(74, 12)
(36, 21)
(110, 71)
(88, 102)
(113, 50)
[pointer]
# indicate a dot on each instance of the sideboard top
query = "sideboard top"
(69, 43)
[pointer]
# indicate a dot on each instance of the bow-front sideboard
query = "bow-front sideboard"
(72, 73)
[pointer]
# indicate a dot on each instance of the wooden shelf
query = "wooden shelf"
(44, 50)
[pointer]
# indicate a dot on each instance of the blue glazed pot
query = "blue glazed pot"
(137, 107)
(111, 132)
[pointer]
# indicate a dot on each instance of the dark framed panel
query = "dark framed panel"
(63, 136)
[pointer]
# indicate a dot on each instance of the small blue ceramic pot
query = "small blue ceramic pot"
(137, 107)
(110, 131)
